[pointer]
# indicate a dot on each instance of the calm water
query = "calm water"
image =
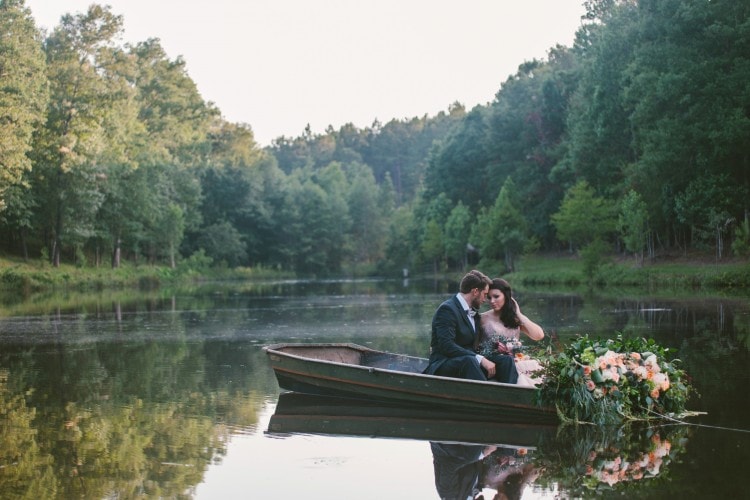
(168, 395)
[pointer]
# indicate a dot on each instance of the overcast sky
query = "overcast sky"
(278, 65)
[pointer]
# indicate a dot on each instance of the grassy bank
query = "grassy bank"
(695, 272)
(28, 277)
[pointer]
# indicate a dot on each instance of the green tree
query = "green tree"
(706, 206)
(223, 243)
(23, 91)
(334, 216)
(632, 223)
(171, 226)
(68, 146)
(457, 231)
(433, 247)
(457, 168)
(503, 229)
(527, 126)
(400, 247)
(741, 242)
(368, 211)
(125, 145)
(583, 217)
(176, 117)
(601, 135)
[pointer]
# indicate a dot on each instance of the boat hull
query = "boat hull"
(352, 371)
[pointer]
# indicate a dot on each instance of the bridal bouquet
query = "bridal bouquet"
(609, 381)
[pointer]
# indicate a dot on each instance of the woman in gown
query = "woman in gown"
(501, 331)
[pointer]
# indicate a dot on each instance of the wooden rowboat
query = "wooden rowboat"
(353, 371)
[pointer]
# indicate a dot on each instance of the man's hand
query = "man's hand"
(489, 367)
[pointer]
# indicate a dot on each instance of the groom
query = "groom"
(455, 330)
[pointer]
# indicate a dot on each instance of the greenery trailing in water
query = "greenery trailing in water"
(614, 380)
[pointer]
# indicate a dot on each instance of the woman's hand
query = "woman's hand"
(502, 348)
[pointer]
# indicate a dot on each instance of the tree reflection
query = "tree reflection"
(126, 421)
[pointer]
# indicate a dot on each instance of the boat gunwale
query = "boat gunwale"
(273, 348)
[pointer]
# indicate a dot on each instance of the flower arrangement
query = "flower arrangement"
(613, 380)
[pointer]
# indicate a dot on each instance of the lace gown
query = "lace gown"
(495, 333)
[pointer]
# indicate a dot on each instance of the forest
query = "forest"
(632, 142)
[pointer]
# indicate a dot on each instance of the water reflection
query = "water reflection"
(144, 394)
(473, 457)
(580, 462)
(126, 419)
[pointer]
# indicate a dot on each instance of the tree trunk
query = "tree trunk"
(56, 252)
(116, 254)
(24, 246)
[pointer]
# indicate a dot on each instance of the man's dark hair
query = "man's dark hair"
(474, 279)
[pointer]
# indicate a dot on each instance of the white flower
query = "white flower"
(652, 364)
(661, 380)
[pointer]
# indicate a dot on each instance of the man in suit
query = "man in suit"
(454, 336)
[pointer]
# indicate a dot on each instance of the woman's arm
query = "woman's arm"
(531, 329)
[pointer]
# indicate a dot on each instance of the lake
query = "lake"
(167, 394)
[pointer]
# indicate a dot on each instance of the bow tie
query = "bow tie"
(471, 312)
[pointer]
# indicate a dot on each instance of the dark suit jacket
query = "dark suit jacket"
(452, 334)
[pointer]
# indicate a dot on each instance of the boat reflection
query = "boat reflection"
(312, 414)
(490, 459)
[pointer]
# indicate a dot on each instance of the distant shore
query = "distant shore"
(691, 272)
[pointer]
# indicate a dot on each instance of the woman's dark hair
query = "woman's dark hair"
(508, 313)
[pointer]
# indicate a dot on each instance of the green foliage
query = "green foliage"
(741, 243)
(126, 157)
(593, 256)
(502, 230)
(456, 168)
(584, 217)
(399, 252)
(457, 231)
(196, 263)
(432, 244)
(369, 207)
(614, 380)
(706, 207)
(23, 91)
(632, 223)
(223, 243)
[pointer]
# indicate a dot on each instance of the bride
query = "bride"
(501, 331)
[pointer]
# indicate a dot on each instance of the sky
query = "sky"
(279, 65)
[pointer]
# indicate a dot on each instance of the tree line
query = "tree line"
(631, 141)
